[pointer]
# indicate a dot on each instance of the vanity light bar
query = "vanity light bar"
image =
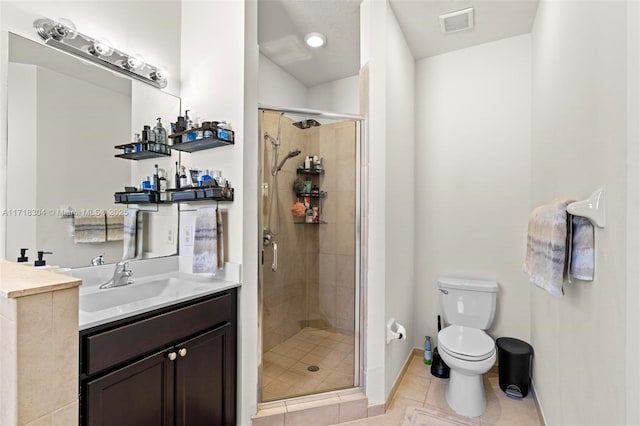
(64, 36)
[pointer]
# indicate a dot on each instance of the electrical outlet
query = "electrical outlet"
(170, 236)
(188, 235)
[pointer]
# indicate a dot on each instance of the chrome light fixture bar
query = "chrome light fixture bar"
(63, 35)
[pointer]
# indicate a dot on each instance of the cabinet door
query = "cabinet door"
(138, 394)
(206, 379)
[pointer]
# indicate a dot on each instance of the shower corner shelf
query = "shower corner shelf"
(321, 194)
(315, 172)
(322, 222)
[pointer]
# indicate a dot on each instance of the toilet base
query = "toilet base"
(465, 394)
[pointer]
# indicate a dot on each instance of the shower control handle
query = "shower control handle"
(274, 264)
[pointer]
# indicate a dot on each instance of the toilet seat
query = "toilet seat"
(466, 343)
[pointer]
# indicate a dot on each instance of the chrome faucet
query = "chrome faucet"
(121, 276)
(98, 260)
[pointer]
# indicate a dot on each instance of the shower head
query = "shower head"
(306, 124)
(291, 154)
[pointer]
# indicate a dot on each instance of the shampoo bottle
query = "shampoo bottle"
(160, 133)
(427, 350)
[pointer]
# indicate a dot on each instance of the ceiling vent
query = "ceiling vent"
(457, 21)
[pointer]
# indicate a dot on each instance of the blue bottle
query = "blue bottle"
(427, 350)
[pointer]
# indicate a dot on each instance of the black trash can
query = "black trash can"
(514, 366)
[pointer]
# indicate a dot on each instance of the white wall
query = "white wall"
(373, 55)
(579, 143)
(279, 88)
(400, 194)
(473, 132)
(227, 92)
(633, 208)
(390, 204)
(340, 96)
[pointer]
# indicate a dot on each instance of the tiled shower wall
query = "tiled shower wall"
(337, 144)
(314, 284)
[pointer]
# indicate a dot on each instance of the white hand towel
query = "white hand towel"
(546, 257)
(582, 251)
(205, 246)
(130, 234)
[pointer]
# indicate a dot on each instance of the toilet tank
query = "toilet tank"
(468, 302)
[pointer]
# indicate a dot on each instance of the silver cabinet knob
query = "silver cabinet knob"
(172, 356)
(182, 351)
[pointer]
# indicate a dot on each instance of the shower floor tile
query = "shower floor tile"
(285, 371)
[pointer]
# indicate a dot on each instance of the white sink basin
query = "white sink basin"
(157, 283)
(165, 288)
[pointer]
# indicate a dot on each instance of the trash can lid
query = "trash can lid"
(514, 346)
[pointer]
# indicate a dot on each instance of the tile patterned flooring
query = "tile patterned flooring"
(285, 373)
(426, 393)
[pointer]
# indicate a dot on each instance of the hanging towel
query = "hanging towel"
(130, 234)
(546, 257)
(220, 235)
(140, 237)
(205, 246)
(89, 228)
(115, 227)
(582, 250)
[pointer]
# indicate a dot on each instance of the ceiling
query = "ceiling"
(282, 25)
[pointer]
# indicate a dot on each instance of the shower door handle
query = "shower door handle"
(274, 264)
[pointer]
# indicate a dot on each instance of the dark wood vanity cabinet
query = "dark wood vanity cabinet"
(187, 381)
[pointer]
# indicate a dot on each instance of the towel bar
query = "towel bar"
(592, 208)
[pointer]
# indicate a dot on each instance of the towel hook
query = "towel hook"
(592, 208)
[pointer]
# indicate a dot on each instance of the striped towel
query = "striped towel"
(205, 246)
(89, 229)
(546, 257)
(132, 235)
(115, 227)
(220, 235)
(582, 249)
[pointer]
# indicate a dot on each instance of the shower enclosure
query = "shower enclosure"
(310, 228)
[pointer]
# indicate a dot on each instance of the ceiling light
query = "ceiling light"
(62, 35)
(315, 39)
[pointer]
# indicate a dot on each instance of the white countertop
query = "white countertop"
(194, 286)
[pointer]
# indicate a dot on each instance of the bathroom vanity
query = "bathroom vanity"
(161, 351)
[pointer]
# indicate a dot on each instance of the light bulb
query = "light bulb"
(160, 74)
(101, 48)
(62, 29)
(133, 62)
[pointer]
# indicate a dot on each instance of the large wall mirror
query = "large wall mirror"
(65, 116)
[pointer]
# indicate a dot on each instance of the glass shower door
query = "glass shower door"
(308, 277)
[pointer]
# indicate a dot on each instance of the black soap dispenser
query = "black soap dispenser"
(23, 258)
(41, 261)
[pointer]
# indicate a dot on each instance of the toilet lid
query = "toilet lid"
(466, 342)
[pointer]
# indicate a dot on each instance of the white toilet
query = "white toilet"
(468, 307)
